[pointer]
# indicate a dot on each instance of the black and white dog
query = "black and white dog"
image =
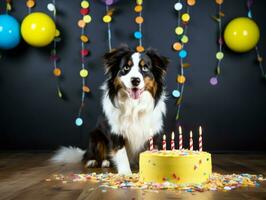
(133, 105)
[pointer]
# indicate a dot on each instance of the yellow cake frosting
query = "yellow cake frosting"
(178, 166)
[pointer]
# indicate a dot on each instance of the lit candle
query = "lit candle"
(180, 138)
(164, 142)
(191, 141)
(200, 138)
(173, 141)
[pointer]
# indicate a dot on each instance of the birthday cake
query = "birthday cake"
(176, 166)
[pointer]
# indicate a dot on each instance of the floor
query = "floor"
(22, 176)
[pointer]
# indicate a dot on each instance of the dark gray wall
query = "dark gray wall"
(233, 114)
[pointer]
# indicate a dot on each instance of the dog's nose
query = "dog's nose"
(135, 81)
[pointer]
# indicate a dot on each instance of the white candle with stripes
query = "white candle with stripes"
(200, 138)
(151, 143)
(180, 138)
(191, 141)
(173, 141)
(164, 142)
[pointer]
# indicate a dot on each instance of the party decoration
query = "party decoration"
(259, 57)
(30, 4)
(173, 141)
(164, 142)
(241, 34)
(200, 138)
(219, 55)
(109, 2)
(54, 55)
(9, 32)
(38, 29)
(112, 181)
(82, 23)
(107, 18)
(180, 139)
(190, 141)
(179, 46)
(139, 21)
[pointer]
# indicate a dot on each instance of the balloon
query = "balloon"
(9, 32)
(241, 34)
(38, 29)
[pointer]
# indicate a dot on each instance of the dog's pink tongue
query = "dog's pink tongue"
(135, 93)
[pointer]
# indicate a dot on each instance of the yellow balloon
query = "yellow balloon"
(38, 29)
(241, 34)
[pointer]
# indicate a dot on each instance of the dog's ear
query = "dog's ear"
(113, 58)
(157, 60)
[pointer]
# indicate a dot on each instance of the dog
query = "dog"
(133, 105)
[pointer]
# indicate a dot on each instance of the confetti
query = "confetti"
(216, 182)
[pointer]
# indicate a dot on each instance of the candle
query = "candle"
(191, 141)
(200, 138)
(164, 142)
(151, 144)
(180, 138)
(173, 141)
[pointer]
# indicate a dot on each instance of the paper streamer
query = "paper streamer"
(219, 54)
(82, 23)
(259, 57)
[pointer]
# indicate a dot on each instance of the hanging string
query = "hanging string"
(82, 23)
(219, 54)
(54, 56)
(179, 46)
(107, 18)
(139, 20)
(30, 4)
(109, 31)
(259, 57)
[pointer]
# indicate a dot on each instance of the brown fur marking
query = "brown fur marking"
(150, 85)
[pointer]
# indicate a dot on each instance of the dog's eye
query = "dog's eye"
(145, 68)
(126, 67)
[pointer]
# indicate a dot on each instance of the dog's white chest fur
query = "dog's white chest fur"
(135, 120)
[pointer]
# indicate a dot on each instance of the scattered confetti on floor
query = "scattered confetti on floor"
(216, 182)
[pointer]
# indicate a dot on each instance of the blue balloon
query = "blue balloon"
(9, 32)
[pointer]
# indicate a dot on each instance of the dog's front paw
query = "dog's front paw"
(91, 163)
(105, 164)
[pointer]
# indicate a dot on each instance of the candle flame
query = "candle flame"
(200, 130)
(180, 129)
(173, 135)
(164, 137)
(190, 134)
